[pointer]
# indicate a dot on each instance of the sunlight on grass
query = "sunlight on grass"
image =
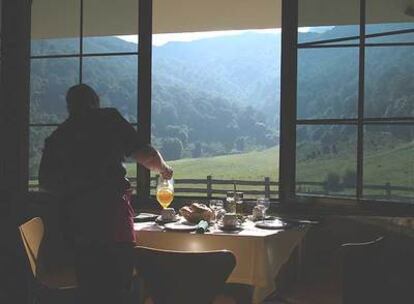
(247, 166)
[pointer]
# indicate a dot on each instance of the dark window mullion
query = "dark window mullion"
(389, 33)
(389, 44)
(365, 121)
(389, 123)
(361, 96)
(81, 43)
(55, 56)
(85, 55)
(391, 120)
(321, 46)
(287, 156)
(327, 121)
(304, 44)
(110, 54)
(144, 89)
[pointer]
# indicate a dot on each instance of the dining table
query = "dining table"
(260, 253)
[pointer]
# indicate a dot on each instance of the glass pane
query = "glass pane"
(386, 16)
(215, 110)
(110, 26)
(389, 84)
(389, 162)
(327, 83)
(319, 20)
(55, 27)
(115, 79)
(49, 81)
(37, 138)
(326, 160)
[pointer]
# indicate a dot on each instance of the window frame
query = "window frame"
(289, 120)
(288, 106)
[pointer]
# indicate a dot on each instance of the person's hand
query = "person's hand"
(166, 171)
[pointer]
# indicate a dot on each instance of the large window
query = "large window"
(355, 100)
(85, 44)
(215, 107)
(348, 110)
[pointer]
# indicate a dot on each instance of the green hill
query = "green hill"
(246, 166)
(384, 166)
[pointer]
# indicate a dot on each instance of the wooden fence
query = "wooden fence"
(209, 188)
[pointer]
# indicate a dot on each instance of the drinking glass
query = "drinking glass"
(165, 191)
(216, 206)
(264, 204)
(238, 198)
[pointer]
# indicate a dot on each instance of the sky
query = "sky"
(161, 39)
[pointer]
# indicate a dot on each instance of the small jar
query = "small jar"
(257, 213)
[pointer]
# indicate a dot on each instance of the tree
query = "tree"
(181, 132)
(172, 148)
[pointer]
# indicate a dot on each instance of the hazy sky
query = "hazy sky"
(161, 39)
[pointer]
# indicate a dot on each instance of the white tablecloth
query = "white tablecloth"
(260, 253)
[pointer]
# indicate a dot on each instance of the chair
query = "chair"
(363, 275)
(59, 277)
(184, 277)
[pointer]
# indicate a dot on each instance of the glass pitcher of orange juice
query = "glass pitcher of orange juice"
(165, 191)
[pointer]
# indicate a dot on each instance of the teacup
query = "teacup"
(230, 220)
(168, 214)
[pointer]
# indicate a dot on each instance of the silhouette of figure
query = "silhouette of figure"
(82, 165)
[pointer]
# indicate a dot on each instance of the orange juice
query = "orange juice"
(165, 197)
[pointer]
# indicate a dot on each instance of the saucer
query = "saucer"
(145, 217)
(238, 226)
(180, 226)
(160, 220)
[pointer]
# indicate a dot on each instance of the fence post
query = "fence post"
(267, 187)
(209, 187)
(388, 189)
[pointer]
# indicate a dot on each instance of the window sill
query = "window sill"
(331, 206)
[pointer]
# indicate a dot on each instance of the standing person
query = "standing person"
(82, 164)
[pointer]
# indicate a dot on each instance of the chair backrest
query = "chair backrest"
(32, 233)
(362, 272)
(184, 277)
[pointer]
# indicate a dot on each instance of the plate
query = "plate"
(145, 217)
(159, 220)
(180, 226)
(271, 224)
(269, 217)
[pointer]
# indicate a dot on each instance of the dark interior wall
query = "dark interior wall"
(15, 92)
(14, 116)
